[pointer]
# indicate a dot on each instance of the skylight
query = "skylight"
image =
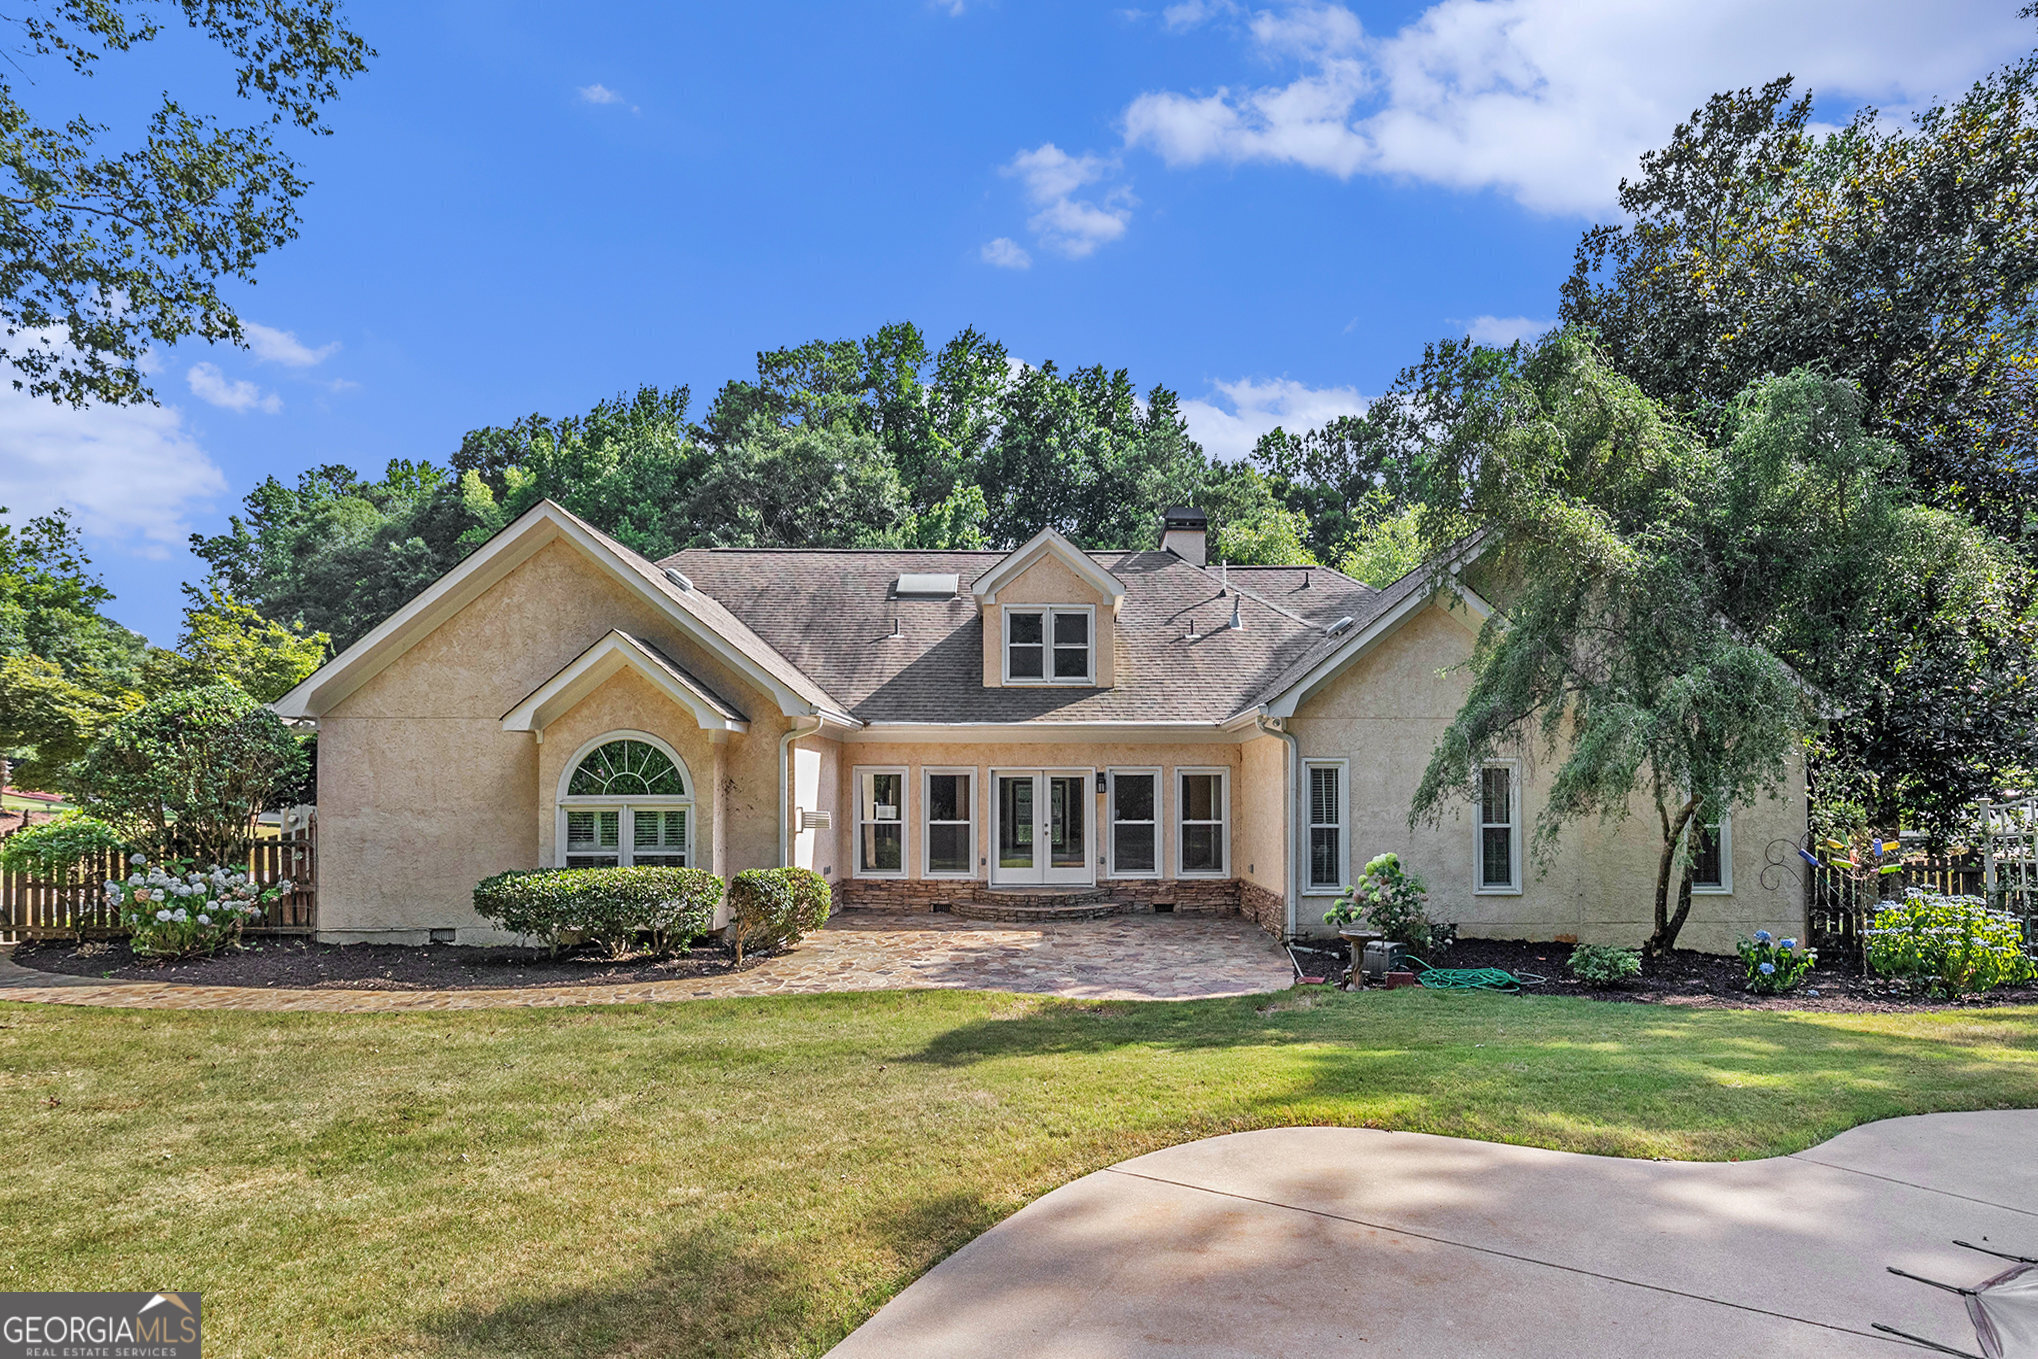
(926, 583)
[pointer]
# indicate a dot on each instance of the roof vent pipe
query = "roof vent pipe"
(1335, 628)
(677, 579)
(1192, 635)
(1223, 579)
(1236, 622)
(1305, 580)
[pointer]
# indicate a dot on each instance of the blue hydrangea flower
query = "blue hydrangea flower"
(1762, 936)
(1788, 945)
(1766, 968)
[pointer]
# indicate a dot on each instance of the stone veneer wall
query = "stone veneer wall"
(1265, 909)
(1189, 896)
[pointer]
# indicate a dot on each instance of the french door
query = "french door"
(1041, 827)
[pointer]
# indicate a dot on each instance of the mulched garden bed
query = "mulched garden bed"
(1706, 980)
(300, 963)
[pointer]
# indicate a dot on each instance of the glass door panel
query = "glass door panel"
(1067, 825)
(1017, 840)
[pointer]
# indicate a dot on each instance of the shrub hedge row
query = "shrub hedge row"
(612, 908)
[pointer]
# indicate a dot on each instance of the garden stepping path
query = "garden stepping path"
(1141, 957)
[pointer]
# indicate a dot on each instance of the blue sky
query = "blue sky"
(529, 207)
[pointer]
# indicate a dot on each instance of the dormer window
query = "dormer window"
(1050, 646)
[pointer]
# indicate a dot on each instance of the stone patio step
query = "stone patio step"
(984, 907)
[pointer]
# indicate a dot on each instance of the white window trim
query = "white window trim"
(1344, 832)
(927, 773)
(1047, 613)
(1513, 888)
(1725, 886)
(624, 806)
(1223, 773)
(1110, 823)
(905, 821)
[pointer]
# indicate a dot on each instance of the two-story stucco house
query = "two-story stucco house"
(1040, 729)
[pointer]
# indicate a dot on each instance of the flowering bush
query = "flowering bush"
(173, 910)
(1950, 946)
(1774, 965)
(1393, 902)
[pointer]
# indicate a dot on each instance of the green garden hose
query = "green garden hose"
(1470, 978)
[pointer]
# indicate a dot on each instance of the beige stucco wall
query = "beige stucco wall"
(817, 786)
(422, 794)
(983, 757)
(1384, 715)
(1260, 803)
(1047, 579)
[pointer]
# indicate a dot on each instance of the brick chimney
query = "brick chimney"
(1185, 531)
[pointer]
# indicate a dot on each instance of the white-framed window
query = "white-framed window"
(880, 822)
(1202, 818)
(625, 799)
(1051, 645)
(1498, 849)
(1327, 859)
(1133, 812)
(1712, 862)
(948, 801)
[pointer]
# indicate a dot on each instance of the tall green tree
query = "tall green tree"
(1675, 612)
(65, 668)
(107, 250)
(1903, 260)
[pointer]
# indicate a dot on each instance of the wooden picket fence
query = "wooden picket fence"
(77, 908)
(1838, 908)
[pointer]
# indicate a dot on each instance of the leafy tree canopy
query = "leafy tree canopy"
(1905, 261)
(1675, 611)
(111, 250)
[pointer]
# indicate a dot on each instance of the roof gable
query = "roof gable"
(601, 662)
(1048, 542)
(701, 619)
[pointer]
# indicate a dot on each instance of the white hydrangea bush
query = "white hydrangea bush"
(174, 909)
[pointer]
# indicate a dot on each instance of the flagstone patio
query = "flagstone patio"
(1136, 957)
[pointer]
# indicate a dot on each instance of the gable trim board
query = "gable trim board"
(1293, 695)
(608, 657)
(510, 548)
(1048, 542)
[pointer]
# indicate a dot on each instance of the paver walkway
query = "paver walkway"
(1346, 1241)
(1140, 957)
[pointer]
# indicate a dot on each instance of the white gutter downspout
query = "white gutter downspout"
(1294, 860)
(785, 745)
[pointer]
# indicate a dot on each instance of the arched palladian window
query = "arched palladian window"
(626, 800)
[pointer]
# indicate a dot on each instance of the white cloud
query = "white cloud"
(131, 474)
(599, 94)
(1189, 14)
(283, 346)
(1505, 330)
(1257, 407)
(1551, 101)
(235, 394)
(1061, 222)
(1007, 253)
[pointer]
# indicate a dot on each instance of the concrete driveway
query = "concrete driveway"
(1336, 1241)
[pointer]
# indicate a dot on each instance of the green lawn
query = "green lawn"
(757, 1176)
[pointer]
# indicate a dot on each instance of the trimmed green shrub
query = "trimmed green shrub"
(1774, 966)
(612, 908)
(56, 850)
(772, 907)
(1603, 965)
(1950, 946)
(188, 773)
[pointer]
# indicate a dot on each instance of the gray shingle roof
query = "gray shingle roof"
(831, 614)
